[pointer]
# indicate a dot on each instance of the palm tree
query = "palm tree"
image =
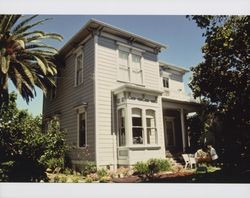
(24, 57)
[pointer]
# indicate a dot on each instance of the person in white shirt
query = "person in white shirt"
(212, 153)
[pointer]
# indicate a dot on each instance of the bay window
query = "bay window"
(151, 127)
(121, 127)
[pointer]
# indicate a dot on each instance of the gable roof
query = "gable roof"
(94, 24)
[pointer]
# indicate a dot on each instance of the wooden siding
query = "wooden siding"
(68, 97)
(106, 81)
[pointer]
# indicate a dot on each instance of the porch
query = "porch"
(176, 136)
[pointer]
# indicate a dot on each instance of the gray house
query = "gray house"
(117, 103)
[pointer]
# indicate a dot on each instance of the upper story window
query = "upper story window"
(130, 66)
(136, 69)
(165, 82)
(124, 71)
(79, 69)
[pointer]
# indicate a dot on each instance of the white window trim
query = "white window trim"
(155, 127)
(79, 111)
(144, 128)
(131, 50)
(163, 78)
(79, 53)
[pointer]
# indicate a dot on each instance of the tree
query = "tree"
(223, 79)
(24, 58)
(25, 150)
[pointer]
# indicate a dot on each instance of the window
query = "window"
(82, 129)
(123, 73)
(79, 69)
(165, 82)
(130, 67)
(136, 69)
(137, 129)
(151, 127)
(121, 127)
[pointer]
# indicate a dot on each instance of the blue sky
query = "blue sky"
(182, 36)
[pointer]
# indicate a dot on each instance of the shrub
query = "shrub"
(141, 168)
(102, 173)
(54, 163)
(56, 179)
(152, 166)
(63, 179)
(67, 171)
(24, 144)
(160, 164)
(87, 168)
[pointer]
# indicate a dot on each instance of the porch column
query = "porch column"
(183, 130)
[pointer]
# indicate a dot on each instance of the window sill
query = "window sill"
(135, 147)
(130, 83)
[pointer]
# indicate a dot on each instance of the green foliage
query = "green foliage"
(101, 173)
(23, 143)
(159, 165)
(25, 58)
(87, 168)
(152, 166)
(141, 168)
(222, 81)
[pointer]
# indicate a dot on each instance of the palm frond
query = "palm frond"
(25, 28)
(24, 22)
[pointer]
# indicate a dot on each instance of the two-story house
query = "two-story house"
(116, 102)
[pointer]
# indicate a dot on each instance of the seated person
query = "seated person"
(202, 156)
(212, 153)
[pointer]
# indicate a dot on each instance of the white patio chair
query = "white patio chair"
(192, 161)
(189, 161)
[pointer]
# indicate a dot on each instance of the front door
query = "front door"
(169, 130)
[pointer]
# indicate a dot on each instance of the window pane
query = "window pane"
(137, 136)
(121, 127)
(79, 69)
(151, 136)
(79, 61)
(151, 127)
(137, 130)
(123, 58)
(166, 82)
(136, 69)
(82, 130)
(123, 74)
(136, 59)
(136, 121)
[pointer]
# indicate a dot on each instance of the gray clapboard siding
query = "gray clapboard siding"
(68, 96)
(105, 82)
(106, 79)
